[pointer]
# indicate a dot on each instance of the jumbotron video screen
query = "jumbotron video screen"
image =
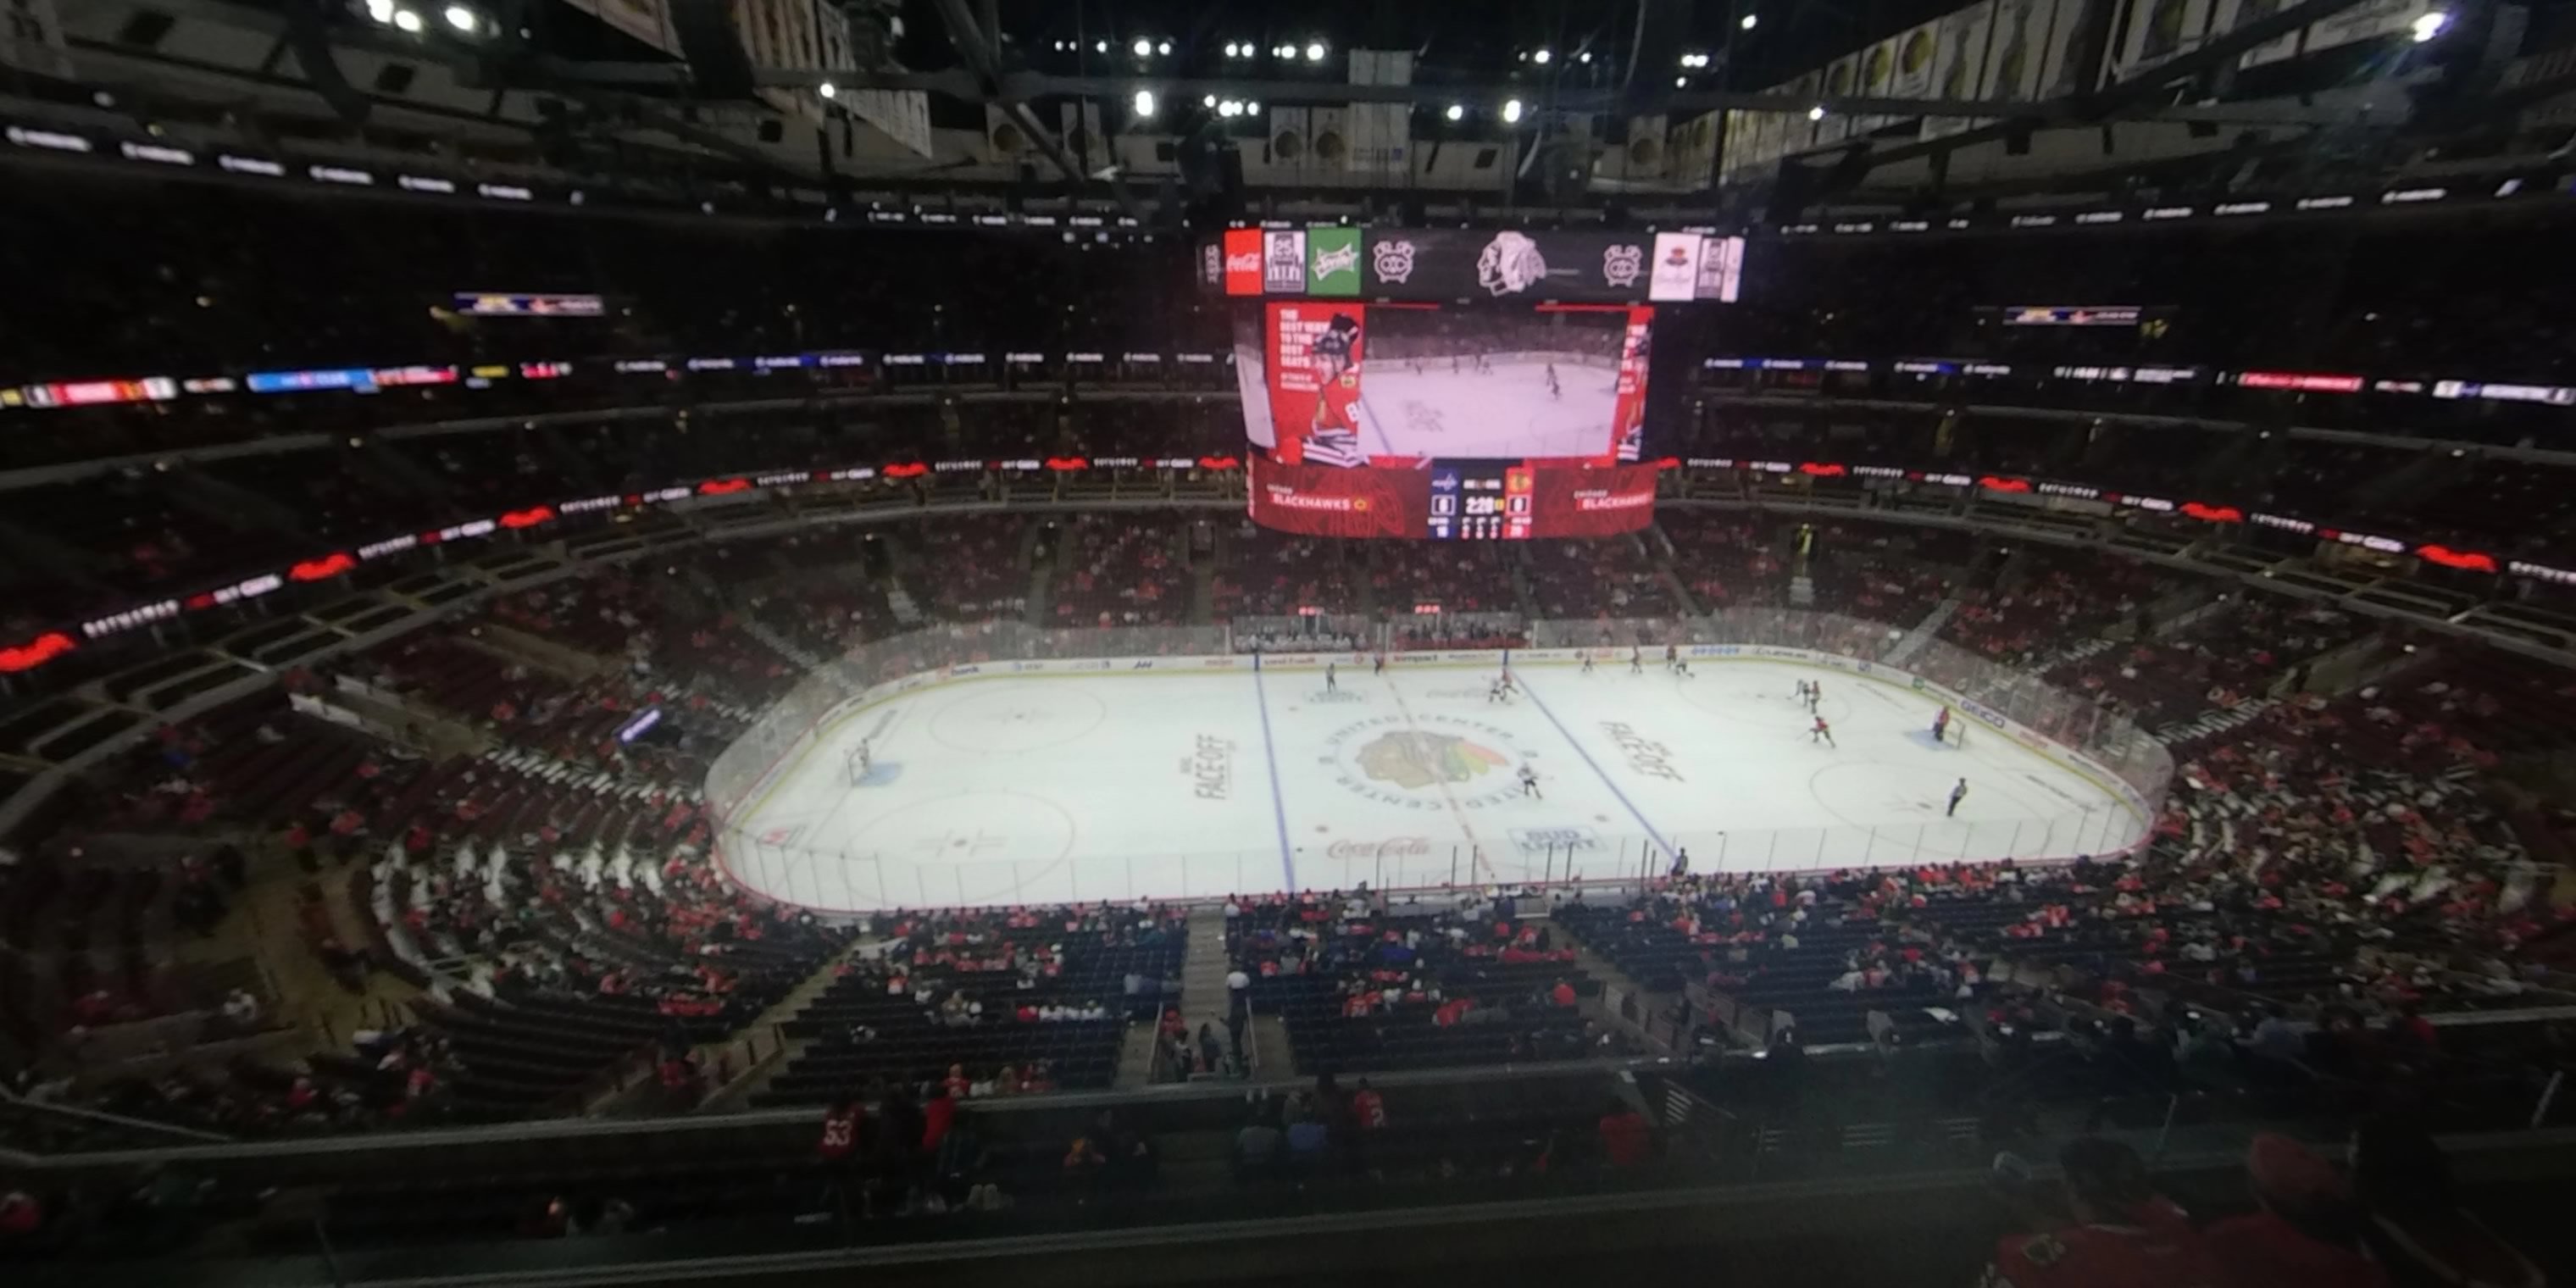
(1431, 421)
(1453, 385)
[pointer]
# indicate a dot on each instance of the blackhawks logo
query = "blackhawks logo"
(1430, 764)
(1418, 758)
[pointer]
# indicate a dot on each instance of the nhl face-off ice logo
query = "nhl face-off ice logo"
(1393, 260)
(1510, 264)
(1620, 265)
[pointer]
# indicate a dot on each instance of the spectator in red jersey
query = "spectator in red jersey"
(1562, 994)
(1626, 1139)
(2125, 1235)
(840, 1140)
(2308, 1231)
(1368, 1108)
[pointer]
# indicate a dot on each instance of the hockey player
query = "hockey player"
(1331, 682)
(1957, 794)
(1553, 389)
(1822, 732)
(1941, 731)
(1681, 668)
(1377, 664)
(1333, 435)
(1815, 694)
(1529, 782)
(1672, 654)
(1636, 660)
(1587, 661)
(1801, 694)
(1499, 691)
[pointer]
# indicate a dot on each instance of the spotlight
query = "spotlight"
(1233, 50)
(462, 18)
(1252, 109)
(407, 22)
(1540, 56)
(381, 10)
(1586, 58)
(1100, 46)
(1209, 101)
(1144, 103)
(1681, 82)
(1511, 111)
(1816, 113)
(1164, 48)
(828, 90)
(2429, 25)
(1751, 20)
(1456, 112)
(1142, 47)
(1315, 51)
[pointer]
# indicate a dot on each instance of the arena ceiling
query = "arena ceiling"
(1304, 108)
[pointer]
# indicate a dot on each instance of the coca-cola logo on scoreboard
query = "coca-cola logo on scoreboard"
(1242, 249)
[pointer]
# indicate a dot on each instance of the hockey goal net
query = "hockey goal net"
(1954, 729)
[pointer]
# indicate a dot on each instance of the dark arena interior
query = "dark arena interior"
(1116, 642)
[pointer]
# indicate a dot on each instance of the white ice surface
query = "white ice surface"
(1015, 789)
(1504, 413)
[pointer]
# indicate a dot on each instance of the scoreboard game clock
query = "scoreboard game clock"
(1480, 501)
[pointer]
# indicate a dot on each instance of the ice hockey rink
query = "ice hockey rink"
(1005, 789)
(1503, 413)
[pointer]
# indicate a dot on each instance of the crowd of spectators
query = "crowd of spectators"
(1121, 570)
(1269, 574)
(1461, 577)
(1607, 578)
(2052, 597)
(1363, 981)
(2233, 651)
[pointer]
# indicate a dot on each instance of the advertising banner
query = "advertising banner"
(1453, 266)
(1283, 262)
(1630, 412)
(1676, 274)
(1242, 261)
(1312, 372)
(1332, 261)
(1480, 500)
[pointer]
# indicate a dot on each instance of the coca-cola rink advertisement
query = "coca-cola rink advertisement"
(1528, 499)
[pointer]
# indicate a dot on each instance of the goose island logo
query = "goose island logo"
(1424, 764)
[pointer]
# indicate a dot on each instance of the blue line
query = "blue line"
(1270, 757)
(1568, 735)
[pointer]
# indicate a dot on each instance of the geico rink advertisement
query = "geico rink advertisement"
(1453, 500)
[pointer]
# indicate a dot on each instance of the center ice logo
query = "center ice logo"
(1413, 758)
(1394, 760)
